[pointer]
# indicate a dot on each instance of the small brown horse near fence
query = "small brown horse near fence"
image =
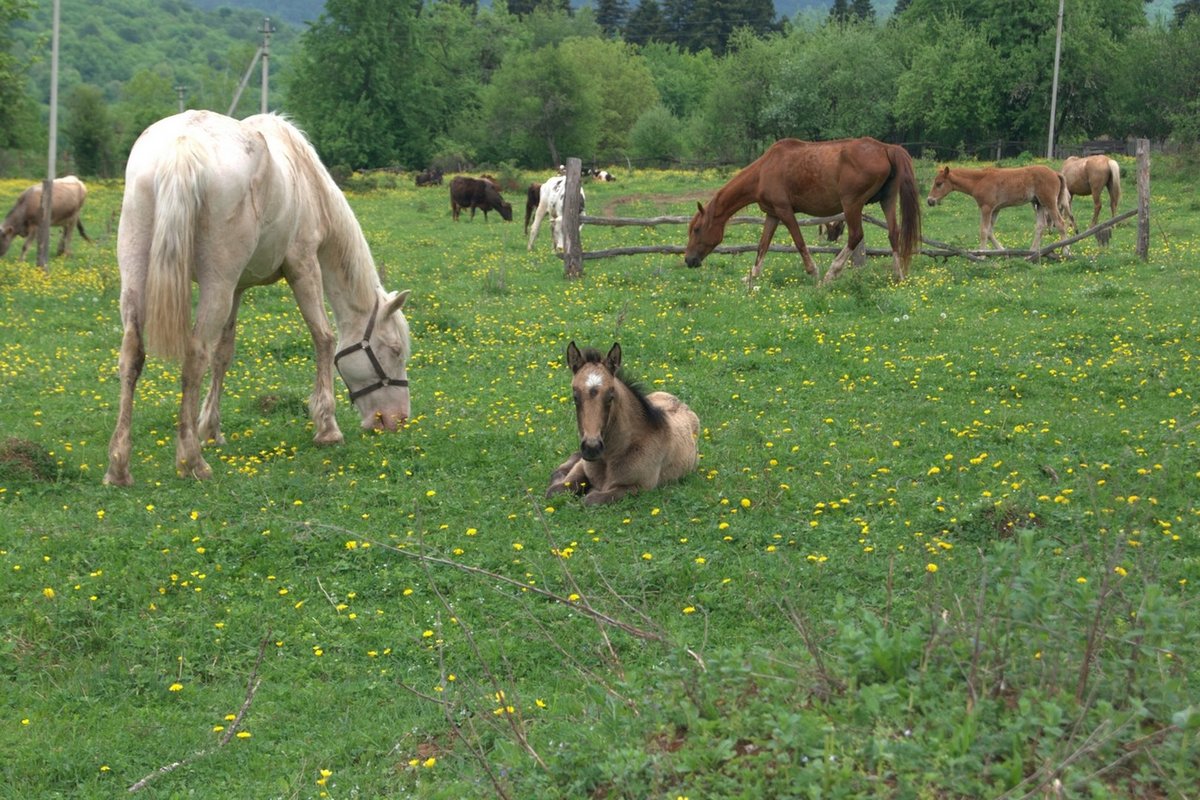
(995, 188)
(628, 441)
(1092, 175)
(821, 179)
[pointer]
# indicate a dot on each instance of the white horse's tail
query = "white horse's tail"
(1114, 184)
(178, 190)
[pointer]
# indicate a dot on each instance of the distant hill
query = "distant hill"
(294, 12)
(298, 12)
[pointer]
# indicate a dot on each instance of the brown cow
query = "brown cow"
(481, 193)
(25, 218)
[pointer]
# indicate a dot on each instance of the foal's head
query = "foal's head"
(595, 387)
(940, 188)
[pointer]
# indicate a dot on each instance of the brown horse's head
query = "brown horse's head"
(595, 389)
(940, 188)
(704, 234)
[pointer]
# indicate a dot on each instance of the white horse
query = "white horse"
(228, 205)
(553, 192)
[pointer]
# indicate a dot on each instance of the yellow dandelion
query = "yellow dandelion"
(931, 567)
(175, 687)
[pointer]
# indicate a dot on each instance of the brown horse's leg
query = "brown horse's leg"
(131, 361)
(793, 227)
(987, 227)
(854, 237)
(764, 242)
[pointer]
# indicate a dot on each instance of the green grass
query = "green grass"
(942, 541)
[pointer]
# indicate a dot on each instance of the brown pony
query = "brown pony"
(628, 441)
(995, 188)
(1091, 175)
(820, 179)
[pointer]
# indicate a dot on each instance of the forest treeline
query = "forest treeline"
(406, 83)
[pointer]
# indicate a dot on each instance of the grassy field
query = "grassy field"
(943, 540)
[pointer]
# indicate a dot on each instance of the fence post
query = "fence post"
(572, 247)
(1143, 187)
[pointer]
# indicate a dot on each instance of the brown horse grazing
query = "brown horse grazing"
(628, 441)
(821, 179)
(1092, 175)
(66, 202)
(995, 188)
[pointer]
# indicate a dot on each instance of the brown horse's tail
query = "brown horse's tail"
(905, 184)
(178, 189)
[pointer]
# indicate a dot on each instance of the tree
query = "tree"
(88, 128)
(538, 109)
(611, 15)
(839, 12)
(622, 84)
(14, 120)
(356, 88)
(655, 137)
(646, 23)
(953, 95)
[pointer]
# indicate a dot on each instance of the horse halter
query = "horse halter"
(365, 346)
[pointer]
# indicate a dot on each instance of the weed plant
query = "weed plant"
(943, 541)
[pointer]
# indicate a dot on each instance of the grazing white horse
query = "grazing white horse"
(553, 192)
(228, 205)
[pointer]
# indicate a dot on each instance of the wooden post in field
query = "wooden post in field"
(1143, 187)
(572, 247)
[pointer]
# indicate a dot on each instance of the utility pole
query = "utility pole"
(1054, 82)
(267, 30)
(52, 156)
(179, 90)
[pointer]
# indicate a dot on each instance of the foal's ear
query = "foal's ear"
(945, 172)
(613, 359)
(574, 357)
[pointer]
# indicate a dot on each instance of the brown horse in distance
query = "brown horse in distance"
(994, 188)
(820, 179)
(628, 441)
(1092, 175)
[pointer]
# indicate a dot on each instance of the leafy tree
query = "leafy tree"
(731, 125)
(840, 11)
(683, 79)
(623, 87)
(89, 129)
(145, 98)
(952, 95)
(539, 108)
(834, 82)
(655, 138)
(12, 78)
(356, 90)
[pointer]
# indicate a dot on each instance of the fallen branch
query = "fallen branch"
(251, 688)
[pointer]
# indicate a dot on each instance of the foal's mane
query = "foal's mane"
(654, 415)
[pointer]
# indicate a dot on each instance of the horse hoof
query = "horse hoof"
(328, 439)
(118, 479)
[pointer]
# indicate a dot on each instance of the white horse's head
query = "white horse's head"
(374, 366)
